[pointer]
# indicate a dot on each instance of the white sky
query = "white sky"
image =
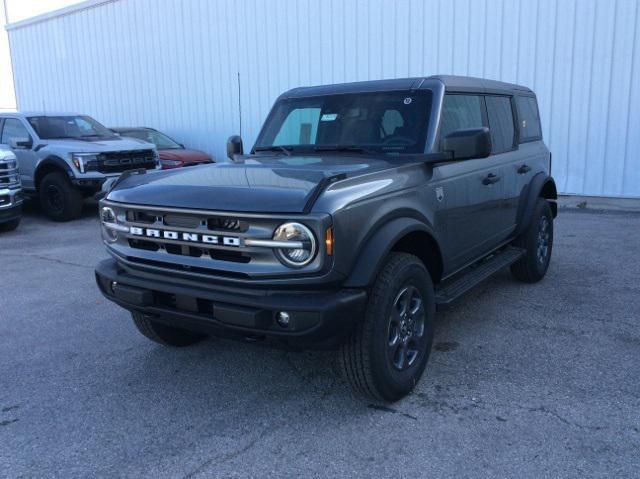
(18, 10)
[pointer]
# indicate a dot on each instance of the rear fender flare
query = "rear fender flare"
(530, 195)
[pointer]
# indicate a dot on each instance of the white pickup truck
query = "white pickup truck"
(10, 190)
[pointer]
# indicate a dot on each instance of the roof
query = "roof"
(25, 114)
(130, 128)
(450, 82)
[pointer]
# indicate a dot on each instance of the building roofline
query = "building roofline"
(61, 12)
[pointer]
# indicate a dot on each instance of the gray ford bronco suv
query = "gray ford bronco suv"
(64, 158)
(360, 209)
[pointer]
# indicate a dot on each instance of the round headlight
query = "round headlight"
(296, 232)
(108, 216)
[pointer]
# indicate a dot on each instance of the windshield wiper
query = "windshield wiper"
(351, 148)
(284, 149)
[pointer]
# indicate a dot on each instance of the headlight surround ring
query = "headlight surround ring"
(296, 257)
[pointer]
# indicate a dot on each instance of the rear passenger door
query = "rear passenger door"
(471, 218)
(504, 150)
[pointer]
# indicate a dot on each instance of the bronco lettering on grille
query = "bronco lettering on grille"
(184, 236)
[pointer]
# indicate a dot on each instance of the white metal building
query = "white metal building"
(191, 67)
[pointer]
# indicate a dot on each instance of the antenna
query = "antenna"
(239, 104)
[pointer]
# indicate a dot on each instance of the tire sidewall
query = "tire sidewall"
(71, 199)
(539, 269)
(389, 381)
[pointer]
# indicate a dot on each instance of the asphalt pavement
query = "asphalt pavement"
(524, 381)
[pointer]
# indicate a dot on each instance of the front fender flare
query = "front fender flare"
(371, 256)
(54, 161)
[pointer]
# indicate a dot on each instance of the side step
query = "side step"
(452, 289)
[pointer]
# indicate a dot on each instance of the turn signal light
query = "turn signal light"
(328, 241)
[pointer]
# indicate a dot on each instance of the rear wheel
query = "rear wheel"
(388, 351)
(59, 199)
(537, 241)
(10, 225)
(165, 334)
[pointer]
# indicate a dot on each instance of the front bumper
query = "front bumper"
(319, 319)
(10, 205)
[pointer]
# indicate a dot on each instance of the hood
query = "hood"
(259, 184)
(188, 156)
(98, 146)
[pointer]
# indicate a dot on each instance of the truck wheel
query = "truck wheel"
(164, 334)
(389, 349)
(59, 199)
(10, 225)
(537, 241)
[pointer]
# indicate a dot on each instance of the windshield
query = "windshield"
(162, 141)
(381, 122)
(76, 127)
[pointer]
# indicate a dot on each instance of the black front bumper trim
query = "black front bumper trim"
(319, 319)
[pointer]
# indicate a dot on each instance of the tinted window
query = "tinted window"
(299, 128)
(529, 118)
(460, 112)
(162, 141)
(383, 122)
(52, 127)
(13, 129)
(500, 123)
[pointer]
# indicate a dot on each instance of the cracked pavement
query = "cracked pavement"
(524, 380)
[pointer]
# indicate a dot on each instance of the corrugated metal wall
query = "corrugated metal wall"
(174, 65)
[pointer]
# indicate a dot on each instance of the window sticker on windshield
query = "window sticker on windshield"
(407, 101)
(329, 117)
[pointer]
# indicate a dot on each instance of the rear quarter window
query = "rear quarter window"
(528, 119)
(501, 123)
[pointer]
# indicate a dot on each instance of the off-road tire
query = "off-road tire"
(165, 334)
(68, 203)
(531, 268)
(364, 359)
(10, 225)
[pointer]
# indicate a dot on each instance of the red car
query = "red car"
(172, 153)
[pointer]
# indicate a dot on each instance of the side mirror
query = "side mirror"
(234, 147)
(468, 144)
(20, 143)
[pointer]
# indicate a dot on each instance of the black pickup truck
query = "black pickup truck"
(360, 210)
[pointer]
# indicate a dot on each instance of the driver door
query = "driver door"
(14, 131)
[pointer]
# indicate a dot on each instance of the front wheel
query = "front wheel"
(163, 333)
(388, 351)
(537, 241)
(59, 199)
(10, 225)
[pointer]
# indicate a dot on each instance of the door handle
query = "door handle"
(524, 169)
(490, 179)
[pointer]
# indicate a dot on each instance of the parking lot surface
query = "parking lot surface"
(524, 381)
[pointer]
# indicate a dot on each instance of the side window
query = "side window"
(528, 118)
(500, 123)
(460, 112)
(299, 128)
(13, 129)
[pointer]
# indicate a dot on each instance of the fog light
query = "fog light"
(283, 319)
(114, 285)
